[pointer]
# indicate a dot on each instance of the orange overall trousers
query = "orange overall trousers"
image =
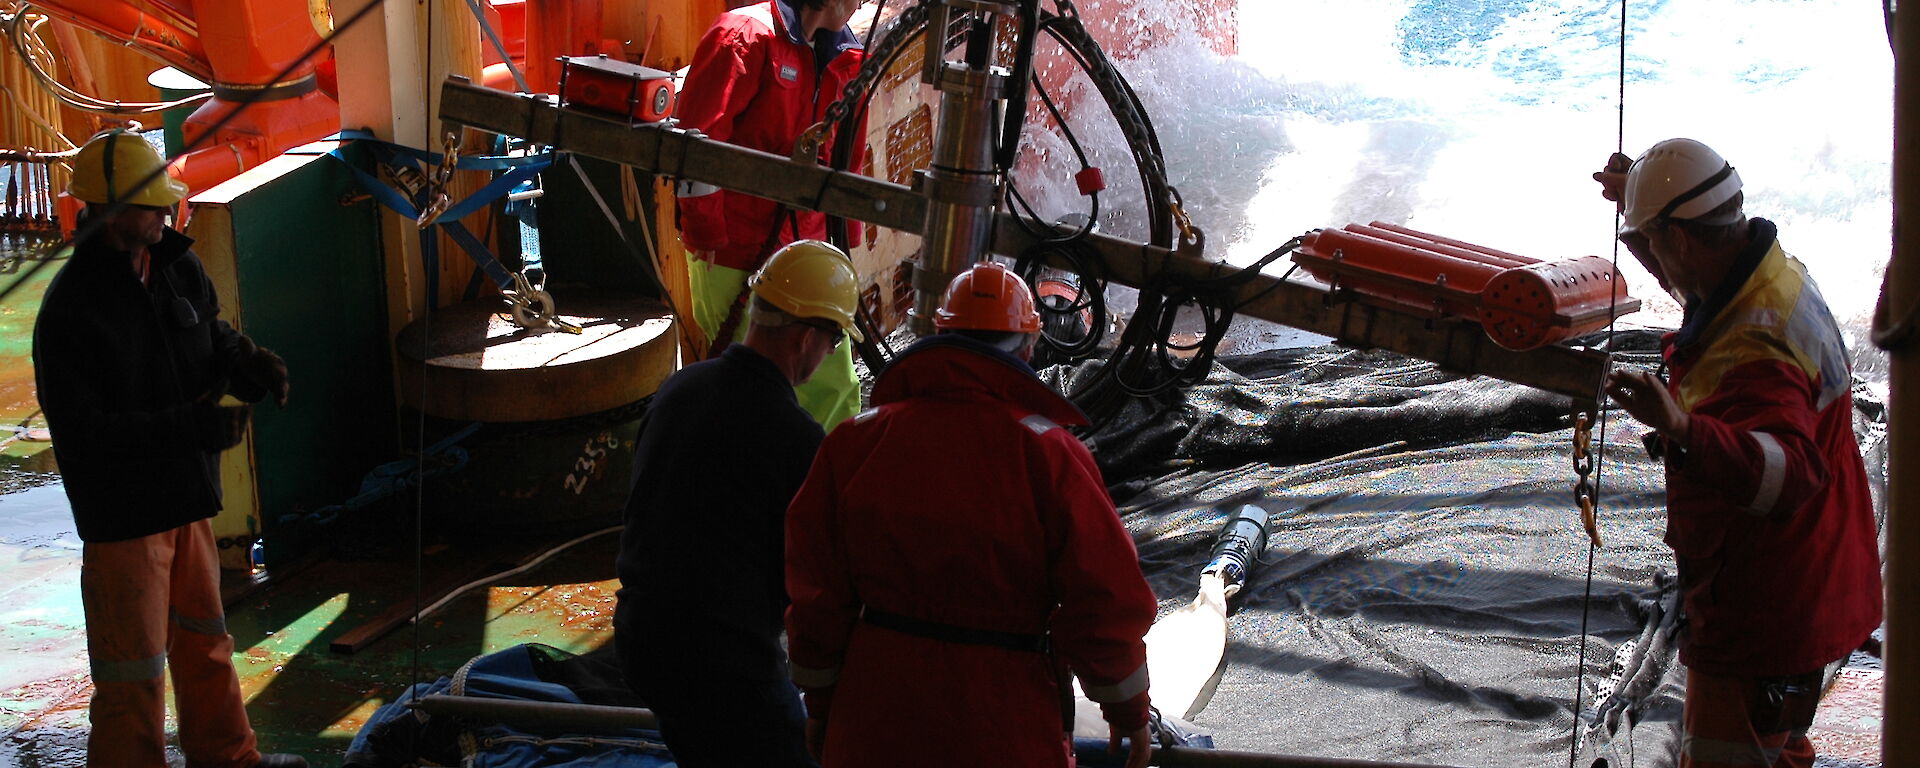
(153, 603)
(1731, 722)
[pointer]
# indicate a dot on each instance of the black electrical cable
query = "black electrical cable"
(1124, 105)
(1031, 221)
(1043, 231)
(1083, 261)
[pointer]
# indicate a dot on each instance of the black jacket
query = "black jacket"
(703, 591)
(127, 376)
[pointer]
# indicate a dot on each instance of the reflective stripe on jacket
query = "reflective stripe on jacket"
(1769, 514)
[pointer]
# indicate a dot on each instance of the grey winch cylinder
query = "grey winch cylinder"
(1242, 539)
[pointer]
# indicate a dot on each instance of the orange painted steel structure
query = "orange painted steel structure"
(1524, 303)
(240, 47)
(158, 29)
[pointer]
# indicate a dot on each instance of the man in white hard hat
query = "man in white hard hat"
(1768, 511)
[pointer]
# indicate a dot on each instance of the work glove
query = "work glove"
(1613, 186)
(263, 367)
(219, 427)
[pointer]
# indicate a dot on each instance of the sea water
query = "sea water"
(1483, 121)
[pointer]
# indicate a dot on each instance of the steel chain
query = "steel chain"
(1583, 490)
(438, 201)
(913, 17)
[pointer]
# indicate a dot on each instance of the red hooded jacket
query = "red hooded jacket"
(754, 83)
(1768, 511)
(961, 500)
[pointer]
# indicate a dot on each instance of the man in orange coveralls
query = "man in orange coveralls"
(953, 552)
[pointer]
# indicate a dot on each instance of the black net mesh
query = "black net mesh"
(1421, 598)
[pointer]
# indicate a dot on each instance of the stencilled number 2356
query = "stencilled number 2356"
(589, 460)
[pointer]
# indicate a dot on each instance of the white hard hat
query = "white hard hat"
(1678, 179)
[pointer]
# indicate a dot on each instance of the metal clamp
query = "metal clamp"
(532, 307)
(1189, 234)
(806, 149)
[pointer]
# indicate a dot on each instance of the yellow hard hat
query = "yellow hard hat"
(112, 162)
(809, 278)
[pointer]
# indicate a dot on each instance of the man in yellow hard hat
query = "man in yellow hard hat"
(720, 453)
(131, 360)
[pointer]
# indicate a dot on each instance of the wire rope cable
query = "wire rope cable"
(1600, 415)
(26, 42)
(509, 573)
(420, 424)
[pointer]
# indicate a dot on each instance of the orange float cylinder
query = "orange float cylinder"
(1421, 277)
(1545, 303)
(1459, 248)
(1523, 303)
(1446, 245)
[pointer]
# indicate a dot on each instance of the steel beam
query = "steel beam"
(664, 150)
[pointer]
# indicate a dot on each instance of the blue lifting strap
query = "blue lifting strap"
(518, 170)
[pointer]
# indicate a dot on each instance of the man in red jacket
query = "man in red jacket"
(953, 553)
(1768, 512)
(760, 77)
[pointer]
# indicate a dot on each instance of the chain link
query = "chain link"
(438, 201)
(809, 143)
(1583, 490)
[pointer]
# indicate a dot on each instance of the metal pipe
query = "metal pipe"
(585, 718)
(1221, 758)
(961, 190)
(962, 187)
(810, 186)
(593, 718)
(1899, 741)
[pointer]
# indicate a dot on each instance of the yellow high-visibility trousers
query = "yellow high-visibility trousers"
(831, 396)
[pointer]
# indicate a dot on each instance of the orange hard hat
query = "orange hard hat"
(987, 297)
